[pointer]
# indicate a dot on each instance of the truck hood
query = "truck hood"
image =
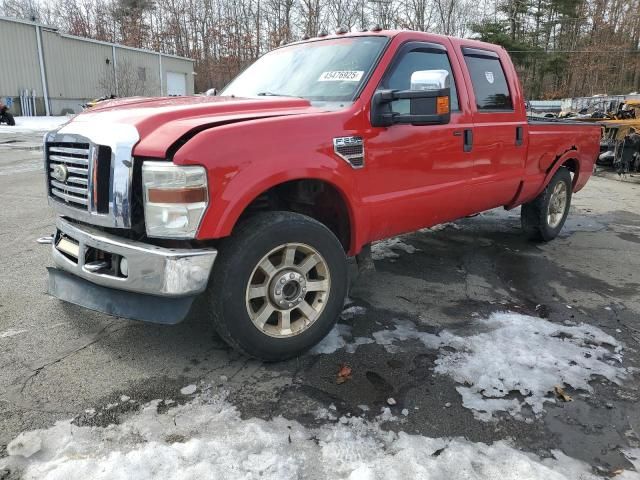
(161, 122)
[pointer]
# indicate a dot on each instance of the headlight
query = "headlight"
(175, 199)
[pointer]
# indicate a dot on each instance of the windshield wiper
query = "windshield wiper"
(273, 94)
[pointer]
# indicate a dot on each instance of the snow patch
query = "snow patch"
(528, 355)
(404, 330)
(388, 248)
(188, 390)
(334, 341)
(25, 444)
(350, 312)
(34, 124)
(207, 438)
(340, 336)
(353, 346)
(515, 353)
(12, 332)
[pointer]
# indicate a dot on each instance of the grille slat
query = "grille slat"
(78, 180)
(71, 162)
(65, 159)
(65, 187)
(69, 198)
(76, 170)
(72, 151)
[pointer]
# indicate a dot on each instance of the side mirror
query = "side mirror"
(430, 80)
(429, 100)
(212, 92)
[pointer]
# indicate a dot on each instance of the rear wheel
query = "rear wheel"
(544, 217)
(278, 285)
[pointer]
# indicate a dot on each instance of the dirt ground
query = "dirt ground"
(59, 360)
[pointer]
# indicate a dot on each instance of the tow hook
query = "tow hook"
(45, 240)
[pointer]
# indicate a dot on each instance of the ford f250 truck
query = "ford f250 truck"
(254, 200)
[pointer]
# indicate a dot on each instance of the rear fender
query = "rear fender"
(548, 171)
(570, 155)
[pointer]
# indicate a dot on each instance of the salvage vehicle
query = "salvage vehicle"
(615, 130)
(253, 201)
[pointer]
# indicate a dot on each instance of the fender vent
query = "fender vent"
(350, 149)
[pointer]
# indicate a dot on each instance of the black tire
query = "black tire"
(533, 216)
(240, 254)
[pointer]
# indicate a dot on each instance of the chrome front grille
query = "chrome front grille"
(68, 172)
(89, 167)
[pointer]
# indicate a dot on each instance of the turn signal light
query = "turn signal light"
(442, 105)
(177, 195)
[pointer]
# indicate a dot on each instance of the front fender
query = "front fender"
(241, 169)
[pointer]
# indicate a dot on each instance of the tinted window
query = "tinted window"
(400, 77)
(489, 83)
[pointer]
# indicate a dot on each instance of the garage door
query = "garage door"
(176, 84)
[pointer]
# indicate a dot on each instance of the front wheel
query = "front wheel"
(278, 285)
(543, 218)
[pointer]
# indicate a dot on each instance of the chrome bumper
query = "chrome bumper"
(151, 270)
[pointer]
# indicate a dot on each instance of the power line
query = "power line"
(573, 51)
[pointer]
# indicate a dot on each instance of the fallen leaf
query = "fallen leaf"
(616, 472)
(560, 393)
(344, 374)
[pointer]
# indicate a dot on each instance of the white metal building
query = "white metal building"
(59, 72)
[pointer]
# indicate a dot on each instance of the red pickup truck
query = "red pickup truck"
(255, 199)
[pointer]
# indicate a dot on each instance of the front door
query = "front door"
(416, 175)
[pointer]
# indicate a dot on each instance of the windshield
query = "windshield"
(328, 70)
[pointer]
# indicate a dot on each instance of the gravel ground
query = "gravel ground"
(59, 360)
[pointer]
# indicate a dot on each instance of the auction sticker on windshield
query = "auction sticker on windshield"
(341, 76)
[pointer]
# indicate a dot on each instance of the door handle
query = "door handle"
(467, 143)
(519, 136)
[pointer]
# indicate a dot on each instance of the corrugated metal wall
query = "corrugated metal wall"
(138, 73)
(79, 69)
(76, 69)
(19, 66)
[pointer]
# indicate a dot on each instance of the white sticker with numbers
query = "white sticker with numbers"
(341, 76)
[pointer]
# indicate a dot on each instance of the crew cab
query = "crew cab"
(253, 201)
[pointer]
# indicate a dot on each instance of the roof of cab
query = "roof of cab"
(393, 33)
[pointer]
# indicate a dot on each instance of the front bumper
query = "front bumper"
(152, 270)
(156, 274)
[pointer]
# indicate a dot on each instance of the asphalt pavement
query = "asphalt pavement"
(59, 360)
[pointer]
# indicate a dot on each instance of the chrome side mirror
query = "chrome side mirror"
(430, 80)
(212, 92)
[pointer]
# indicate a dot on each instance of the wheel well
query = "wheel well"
(315, 198)
(573, 166)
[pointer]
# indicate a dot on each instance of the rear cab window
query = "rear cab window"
(490, 86)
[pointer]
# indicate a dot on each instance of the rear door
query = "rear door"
(499, 126)
(417, 174)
